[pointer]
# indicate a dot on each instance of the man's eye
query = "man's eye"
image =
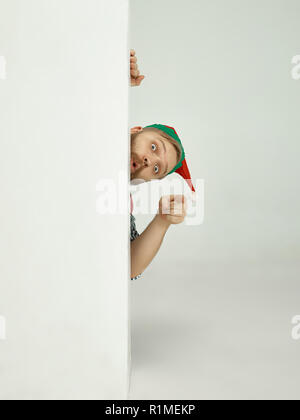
(156, 169)
(153, 147)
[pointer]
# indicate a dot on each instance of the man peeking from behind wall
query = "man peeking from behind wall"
(156, 151)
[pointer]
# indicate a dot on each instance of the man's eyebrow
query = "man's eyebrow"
(164, 146)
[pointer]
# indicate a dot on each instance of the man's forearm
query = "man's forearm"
(145, 247)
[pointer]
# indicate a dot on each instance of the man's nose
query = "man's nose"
(147, 161)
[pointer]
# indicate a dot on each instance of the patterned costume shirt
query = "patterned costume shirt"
(133, 235)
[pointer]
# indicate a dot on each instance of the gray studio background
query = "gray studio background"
(211, 316)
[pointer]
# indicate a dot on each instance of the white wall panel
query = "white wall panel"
(64, 269)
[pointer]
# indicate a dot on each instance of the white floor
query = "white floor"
(222, 332)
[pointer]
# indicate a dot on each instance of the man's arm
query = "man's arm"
(146, 245)
(172, 210)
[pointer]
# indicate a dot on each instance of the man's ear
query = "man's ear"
(136, 130)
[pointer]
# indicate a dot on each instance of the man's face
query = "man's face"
(152, 156)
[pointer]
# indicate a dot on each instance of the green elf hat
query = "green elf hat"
(181, 168)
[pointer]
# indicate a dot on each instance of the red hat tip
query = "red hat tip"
(185, 173)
